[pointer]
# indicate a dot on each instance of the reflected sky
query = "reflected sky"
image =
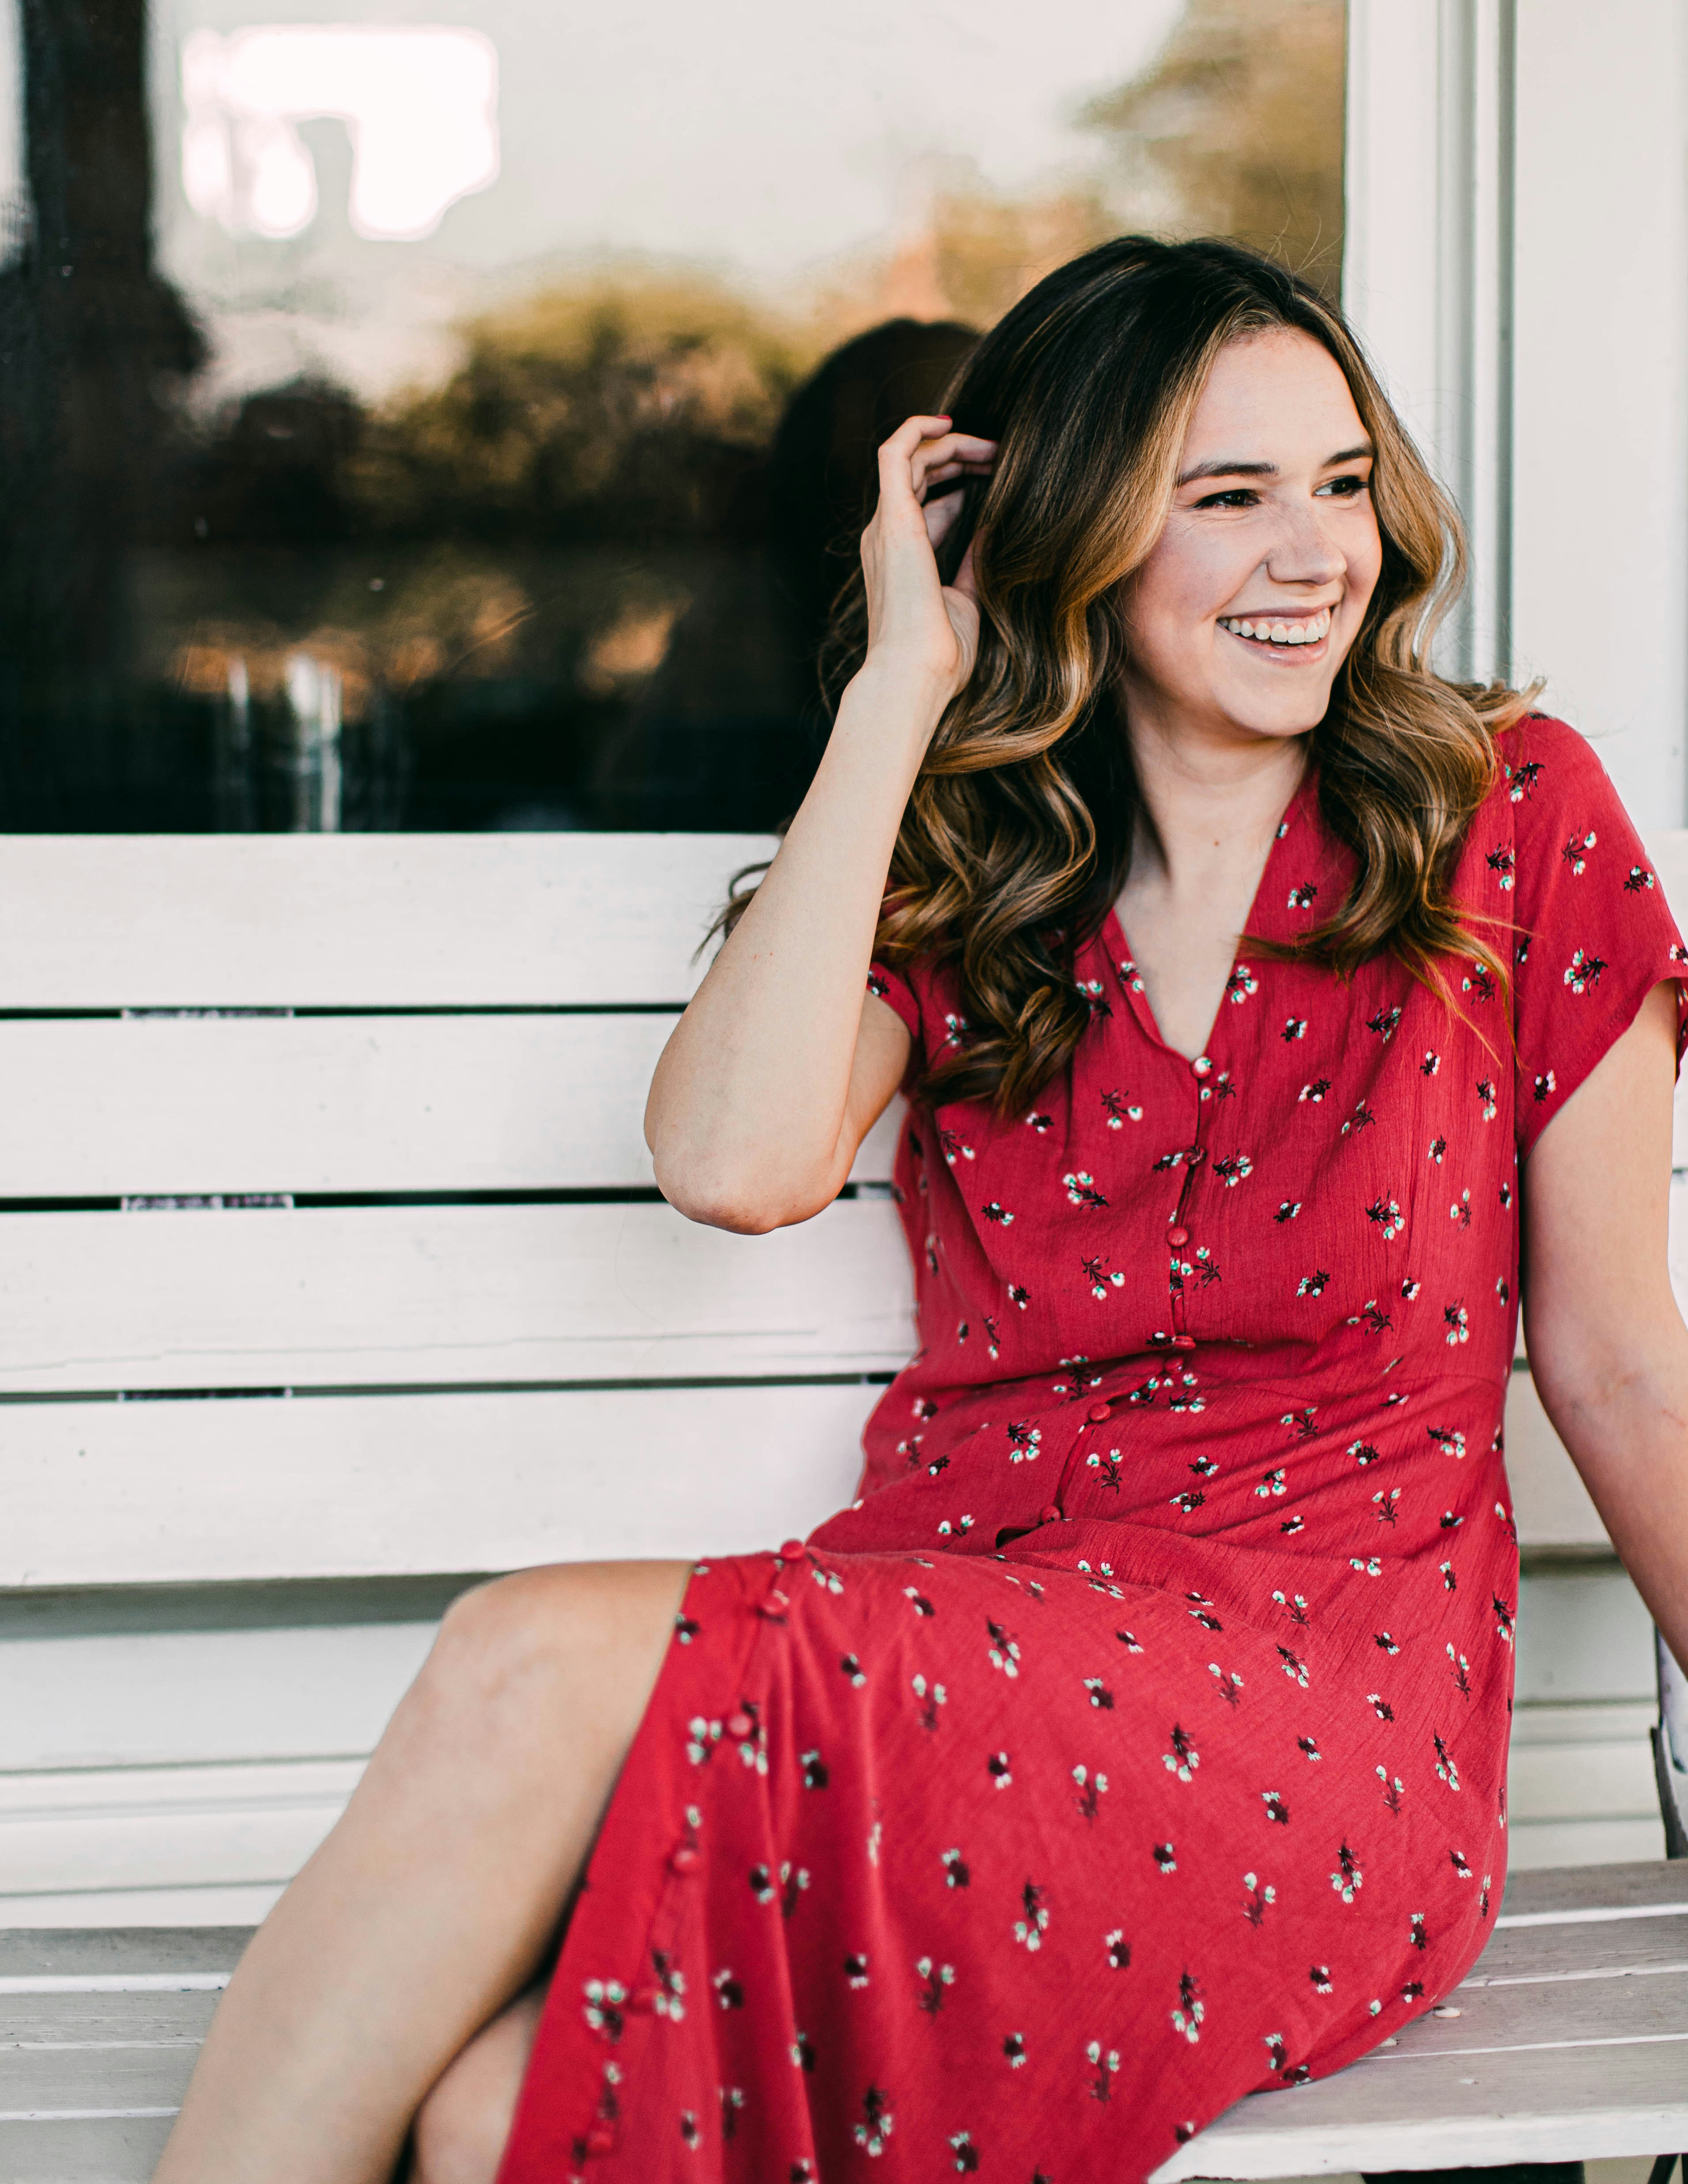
(419, 106)
(763, 139)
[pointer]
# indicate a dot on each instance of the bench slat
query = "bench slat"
(363, 920)
(1604, 1894)
(56, 1448)
(125, 2150)
(1626, 2005)
(389, 1296)
(117, 1952)
(1557, 2105)
(103, 1108)
(166, 1828)
(404, 1485)
(358, 921)
(1616, 1948)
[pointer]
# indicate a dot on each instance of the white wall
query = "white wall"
(1516, 261)
(1600, 462)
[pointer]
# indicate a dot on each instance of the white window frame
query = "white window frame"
(1516, 261)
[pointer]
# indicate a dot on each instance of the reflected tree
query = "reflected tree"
(1236, 130)
(91, 343)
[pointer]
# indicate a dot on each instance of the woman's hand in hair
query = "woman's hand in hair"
(919, 626)
(784, 1061)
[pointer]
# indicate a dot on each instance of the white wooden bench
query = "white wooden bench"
(331, 1273)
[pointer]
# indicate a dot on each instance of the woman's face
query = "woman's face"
(1242, 613)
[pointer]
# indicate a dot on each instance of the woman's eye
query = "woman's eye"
(1345, 488)
(1241, 496)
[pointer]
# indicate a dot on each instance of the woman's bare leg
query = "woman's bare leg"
(432, 1901)
(461, 2127)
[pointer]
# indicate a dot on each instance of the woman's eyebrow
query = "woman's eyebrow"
(1224, 466)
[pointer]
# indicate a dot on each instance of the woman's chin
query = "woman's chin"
(1279, 722)
(1275, 701)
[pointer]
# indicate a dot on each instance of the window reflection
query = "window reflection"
(451, 426)
(420, 107)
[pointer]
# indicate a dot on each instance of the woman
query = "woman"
(1138, 1738)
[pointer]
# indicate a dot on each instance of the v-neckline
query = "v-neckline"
(1138, 996)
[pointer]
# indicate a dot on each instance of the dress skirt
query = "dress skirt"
(1022, 1865)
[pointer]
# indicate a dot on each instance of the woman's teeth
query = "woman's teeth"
(1282, 633)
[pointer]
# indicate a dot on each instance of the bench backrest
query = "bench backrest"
(398, 1082)
(468, 1333)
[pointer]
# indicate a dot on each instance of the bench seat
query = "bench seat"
(1570, 2041)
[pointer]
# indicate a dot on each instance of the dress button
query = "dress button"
(600, 2139)
(1183, 1342)
(1202, 1064)
(643, 1999)
(1098, 1412)
(739, 1725)
(1177, 1236)
(685, 1858)
(791, 1551)
(1195, 1156)
(1048, 1514)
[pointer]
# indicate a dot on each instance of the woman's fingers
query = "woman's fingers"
(924, 451)
(958, 454)
(911, 616)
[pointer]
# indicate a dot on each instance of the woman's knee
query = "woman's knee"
(509, 1638)
(564, 1628)
(461, 2130)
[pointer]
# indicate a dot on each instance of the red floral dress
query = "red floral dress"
(1139, 1738)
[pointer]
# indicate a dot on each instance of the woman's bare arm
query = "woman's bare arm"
(783, 1062)
(1607, 1347)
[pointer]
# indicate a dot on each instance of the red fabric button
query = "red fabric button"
(1183, 1342)
(1195, 1156)
(791, 1551)
(685, 1858)
(1177, 1235)
(1202, 1064)
(1097, 1411)
(1050, 1514)
(600, 2139)
(740, 1724)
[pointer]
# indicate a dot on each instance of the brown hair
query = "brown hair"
(1017, 837)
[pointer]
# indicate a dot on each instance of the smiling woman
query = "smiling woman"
(1188, 436)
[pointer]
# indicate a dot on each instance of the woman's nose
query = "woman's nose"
(1304, 552)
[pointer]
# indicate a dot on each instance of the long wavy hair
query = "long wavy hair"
(1017, 838)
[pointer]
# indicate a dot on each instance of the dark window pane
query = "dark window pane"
(468, 427)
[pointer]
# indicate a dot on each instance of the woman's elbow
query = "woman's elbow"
(747, 1204)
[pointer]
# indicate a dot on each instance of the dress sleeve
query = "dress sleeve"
(1594, 932)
